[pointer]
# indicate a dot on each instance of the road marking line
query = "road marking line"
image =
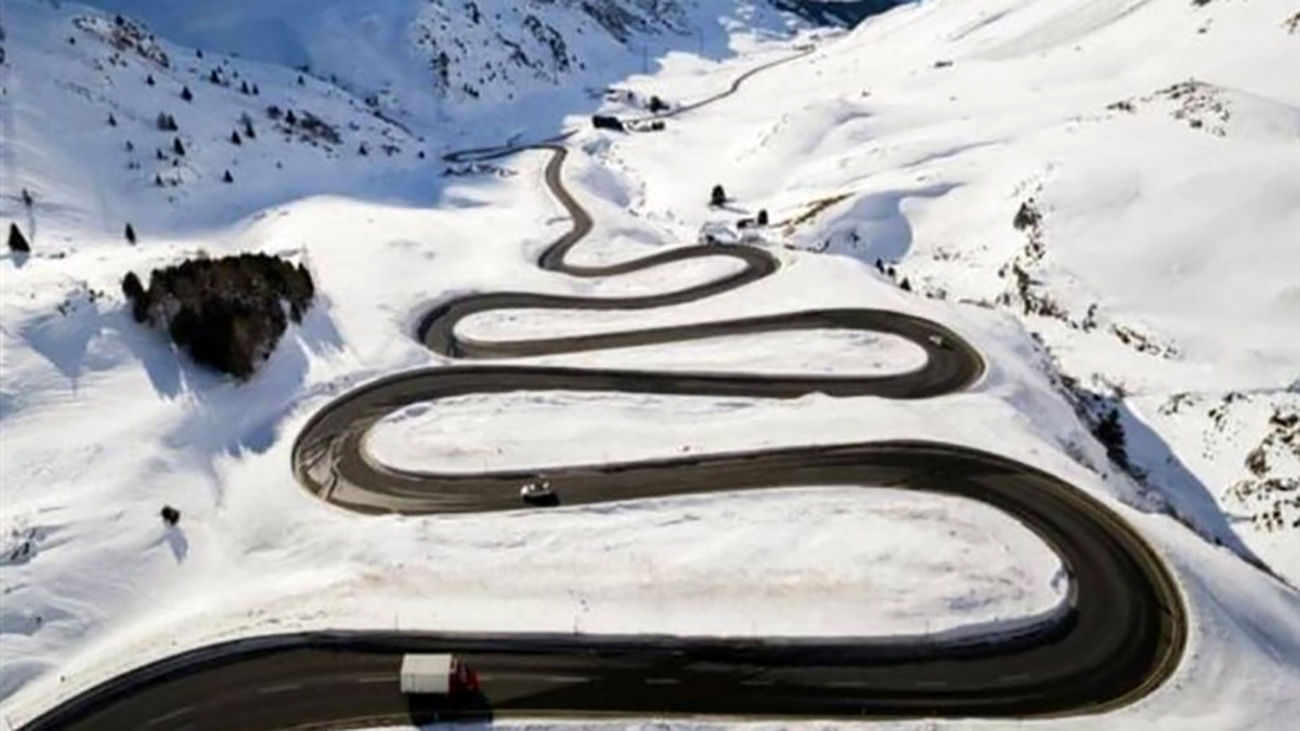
(377, 679)
(173, 714)
(484, 677)
(268, 690)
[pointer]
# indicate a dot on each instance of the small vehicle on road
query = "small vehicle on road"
(436, 674)
(539, 493)
(937, 341)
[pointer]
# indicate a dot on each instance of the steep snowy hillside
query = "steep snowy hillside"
(366, 113)
(1120, 176)
(417, 59)
(1100, 195)
(105, 125)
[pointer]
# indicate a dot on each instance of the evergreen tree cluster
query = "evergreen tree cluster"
(1109, 430)
(227, 313)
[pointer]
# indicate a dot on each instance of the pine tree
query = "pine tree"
(157, 179)
(130, 147)
(362, 150)
(17, 242)
(130, 233)
(243, 87)
(1027, 216)
(1110, 432)
(214, 77)
(762, 217)
(301, 80)
(234, 138)
(880, 266)
(186, 95)
(256, 91)
(135, 294)
(149, 80)
(227, 178)
(27, 198)
(289, 118)
(248, 128)
(905, 285)
(177, 147)
(112, 121)
(719, 196)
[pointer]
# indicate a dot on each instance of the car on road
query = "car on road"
(937, 341)
(436, 674)
(539, 493)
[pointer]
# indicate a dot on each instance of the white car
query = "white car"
(937, 341)
(538, 493)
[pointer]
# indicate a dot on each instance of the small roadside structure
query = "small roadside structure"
(622, 96)
(600, 121)
(718, 233)
(646, 125)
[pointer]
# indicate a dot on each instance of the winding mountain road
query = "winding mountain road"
(1119, 635)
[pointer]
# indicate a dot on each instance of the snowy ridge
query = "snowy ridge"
(420, 59)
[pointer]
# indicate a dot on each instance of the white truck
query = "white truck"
(439, 674)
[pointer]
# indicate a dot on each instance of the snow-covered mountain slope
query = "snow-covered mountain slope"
(373, 103)
(83, 101)
(458, 56)
(916, 139)
(1120, 176)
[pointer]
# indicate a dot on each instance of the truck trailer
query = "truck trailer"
(437, 674)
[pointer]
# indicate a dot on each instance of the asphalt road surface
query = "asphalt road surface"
(1120, 634)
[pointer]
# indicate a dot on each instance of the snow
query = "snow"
(795, 351)
(1176, 219)
(1165, 265)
